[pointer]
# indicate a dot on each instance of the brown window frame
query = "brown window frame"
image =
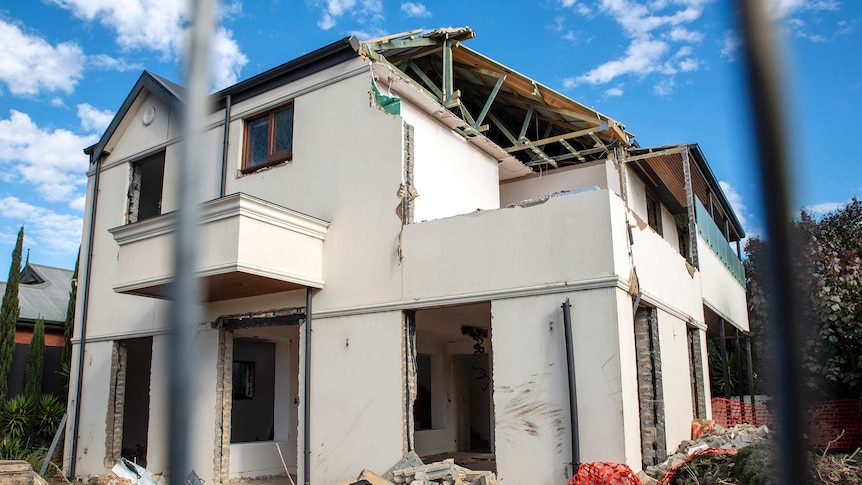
(271, 158)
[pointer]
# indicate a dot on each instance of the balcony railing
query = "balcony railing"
(714, 237)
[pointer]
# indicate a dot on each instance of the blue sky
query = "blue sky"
(668, 69)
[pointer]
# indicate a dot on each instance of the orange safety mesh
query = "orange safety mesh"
(826, 420)
(601, 473)
(668, 477)
(728, 412)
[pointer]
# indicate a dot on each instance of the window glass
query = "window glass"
(283, 130)
(258, 133)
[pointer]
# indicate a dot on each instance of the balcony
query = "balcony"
(248, 247)
(715, 241)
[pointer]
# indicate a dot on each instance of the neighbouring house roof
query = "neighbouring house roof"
(45, 294)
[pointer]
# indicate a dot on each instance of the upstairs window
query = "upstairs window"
(145, 188)
(653, 208)
(268, 139)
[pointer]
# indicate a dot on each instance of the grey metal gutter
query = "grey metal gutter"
(573, 393)
(306, 402)
(223, 182)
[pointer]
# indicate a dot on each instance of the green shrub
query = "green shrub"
(14, 417)
(47, 413)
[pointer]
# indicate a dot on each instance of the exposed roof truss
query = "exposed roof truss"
(533, 123)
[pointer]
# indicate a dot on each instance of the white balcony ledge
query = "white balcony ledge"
(248, 247)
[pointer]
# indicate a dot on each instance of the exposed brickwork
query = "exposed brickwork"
(650, 395)
(224, 402)
(695, 355)
(116, 401)
(408, 368)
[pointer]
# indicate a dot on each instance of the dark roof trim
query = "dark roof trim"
(313, 62)
(172, 94)
(147, 81)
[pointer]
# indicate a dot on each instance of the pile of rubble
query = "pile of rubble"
(411, 471)
(736, 438)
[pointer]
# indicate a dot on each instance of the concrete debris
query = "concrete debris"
(411, 471)
(444, 472)
(736, 438)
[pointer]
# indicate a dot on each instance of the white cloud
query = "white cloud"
(780, 9)
(415, 9)
(736, 202)
(57, 102)
(642, 57)
(824, 207)
(108, 63)
(655, 30)
(49, 160)
(42, 226)
(368, 13)
(614, 92)
(730, 44)
(160, 26)
(30, 65)
(93, 119)
(681, 34)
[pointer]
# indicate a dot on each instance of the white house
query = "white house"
(423, 213)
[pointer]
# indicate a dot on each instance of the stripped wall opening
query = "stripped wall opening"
(650, 393)
(453, 411)
(129, 401)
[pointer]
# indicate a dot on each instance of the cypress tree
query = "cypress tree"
(35, 362)
(68, 327)
(9, 312)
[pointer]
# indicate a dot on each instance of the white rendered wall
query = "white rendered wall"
(451, 175)
(533, 441)
(345, 170)
(721, 291)
(357, 395)
(663, 275)
(676, 379)
(601, 174)
(500, 249)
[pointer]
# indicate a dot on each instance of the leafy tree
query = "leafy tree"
(9, 313)
(829, 264)
(68, 327)
(35, 362)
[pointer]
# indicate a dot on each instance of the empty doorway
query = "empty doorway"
(453, 411)
(136, 402)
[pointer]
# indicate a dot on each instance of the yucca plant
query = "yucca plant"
(11, 448)
(47, 413)
(14, 418)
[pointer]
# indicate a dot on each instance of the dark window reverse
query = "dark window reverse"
(145, 188)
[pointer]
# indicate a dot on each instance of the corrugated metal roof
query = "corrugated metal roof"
(47, 300)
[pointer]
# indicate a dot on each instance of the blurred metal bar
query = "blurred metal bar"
(738, 351)
(762, 57)
(185, 311)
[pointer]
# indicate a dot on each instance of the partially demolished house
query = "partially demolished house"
(395, 234)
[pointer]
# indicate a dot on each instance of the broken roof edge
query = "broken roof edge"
(376, 48)
(705, 170)
(389, 75)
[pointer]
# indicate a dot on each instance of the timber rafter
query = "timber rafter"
(530, 121)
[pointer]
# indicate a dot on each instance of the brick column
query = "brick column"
(116, 401)
(650, 395)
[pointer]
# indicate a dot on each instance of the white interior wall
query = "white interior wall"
(451, 175)
(533, 442)
(676, 379)
(637, 194)
(575, 177)
(357, 376)
(669, 228)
